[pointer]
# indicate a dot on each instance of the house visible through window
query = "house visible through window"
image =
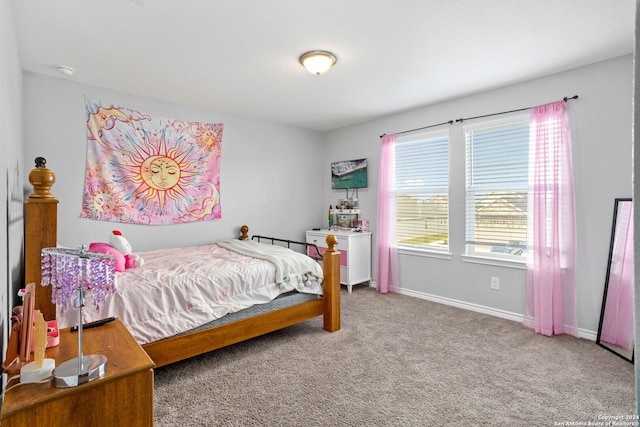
(497, 171)
(422, 191)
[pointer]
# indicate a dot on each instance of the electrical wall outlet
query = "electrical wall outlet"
(495, 283)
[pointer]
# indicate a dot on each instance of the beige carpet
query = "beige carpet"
(398, 361)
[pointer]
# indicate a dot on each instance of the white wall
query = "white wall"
(270, 173)
(636, 194)
(602, 154)
(11, 216)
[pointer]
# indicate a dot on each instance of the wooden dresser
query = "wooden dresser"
(123, 396)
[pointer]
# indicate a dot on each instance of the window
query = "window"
(422, 191)
(497, 172)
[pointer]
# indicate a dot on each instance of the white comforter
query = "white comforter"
(180, 289)
(288, 264)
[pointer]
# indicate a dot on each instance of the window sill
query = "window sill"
(499, 262)
(424, 253)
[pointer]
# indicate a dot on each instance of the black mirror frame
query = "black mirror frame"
(606, 284)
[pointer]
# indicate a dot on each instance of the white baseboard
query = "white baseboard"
(503, 314)
(587, 335)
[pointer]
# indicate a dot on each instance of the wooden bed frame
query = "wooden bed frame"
(41, 232)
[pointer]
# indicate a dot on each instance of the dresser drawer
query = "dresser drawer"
(317, 239)
(321, 241)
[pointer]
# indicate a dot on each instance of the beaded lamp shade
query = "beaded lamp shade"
(74, 275)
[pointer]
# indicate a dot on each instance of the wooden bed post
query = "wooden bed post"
(331, 287)
(40, 231)
(244, 233)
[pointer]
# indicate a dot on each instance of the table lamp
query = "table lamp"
(73, 275)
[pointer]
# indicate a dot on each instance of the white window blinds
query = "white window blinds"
(422, 191)
(497, 158)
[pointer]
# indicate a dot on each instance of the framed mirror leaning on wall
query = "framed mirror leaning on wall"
(615, 332)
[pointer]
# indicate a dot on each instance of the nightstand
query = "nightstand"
(355, 253)
(123, 396)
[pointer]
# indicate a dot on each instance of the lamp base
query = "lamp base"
(67, 374)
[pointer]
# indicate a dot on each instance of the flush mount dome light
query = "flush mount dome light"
(318, 61)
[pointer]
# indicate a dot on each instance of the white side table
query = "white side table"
(355, 253)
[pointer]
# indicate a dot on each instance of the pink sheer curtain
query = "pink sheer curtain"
(550, 299)
(617, 324)
(386, 256)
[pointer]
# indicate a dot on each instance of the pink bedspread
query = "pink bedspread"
(177, 290)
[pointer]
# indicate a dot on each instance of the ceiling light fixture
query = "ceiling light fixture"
(67, 71)
(318, 61)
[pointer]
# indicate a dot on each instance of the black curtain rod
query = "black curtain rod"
(450, 122)
(460, 120)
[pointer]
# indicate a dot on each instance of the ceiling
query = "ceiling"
(241, 57)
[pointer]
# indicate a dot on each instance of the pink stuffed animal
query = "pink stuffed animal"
(116, 240)
(120, 249)
(118, 258)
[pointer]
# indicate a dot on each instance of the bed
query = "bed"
(41, 232)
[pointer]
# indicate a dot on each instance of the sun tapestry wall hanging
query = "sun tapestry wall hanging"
(145, 170)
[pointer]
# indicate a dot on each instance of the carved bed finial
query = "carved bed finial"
(42, 179)
(41, 162)
(244, 230)
(331, 243)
